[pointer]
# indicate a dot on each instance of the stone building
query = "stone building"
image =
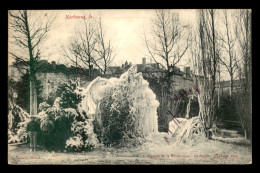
(182, 79)
(224, 86)
(52, 75)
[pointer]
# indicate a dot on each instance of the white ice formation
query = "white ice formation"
(143, 101)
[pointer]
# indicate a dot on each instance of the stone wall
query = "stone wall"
(51, 81)
(181, 82)
(14, 73)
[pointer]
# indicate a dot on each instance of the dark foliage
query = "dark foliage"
(66, 91)
(22, 88)
(227, 109)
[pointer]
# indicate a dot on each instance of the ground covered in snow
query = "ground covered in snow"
(154, 151)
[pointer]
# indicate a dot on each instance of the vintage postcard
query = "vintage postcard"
(130, 87)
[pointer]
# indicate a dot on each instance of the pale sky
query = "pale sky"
(125, 28)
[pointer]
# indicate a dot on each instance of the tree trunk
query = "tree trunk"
(245, 134)
(206, 108)
(33, 98)
(188, 110)
(218, 86)
(90, 69)
(33, 94)
(231, 86)
(105, 69)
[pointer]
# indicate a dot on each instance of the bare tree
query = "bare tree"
(89, 48)
(230, 58)
(204, 51)
(27, 33)
(72, 52)
(104, 50)
(244, 96)
(166, 45)
(83, 45)
(243, 33)
(170, 39)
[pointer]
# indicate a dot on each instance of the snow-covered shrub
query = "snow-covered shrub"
(71, 114)
(53, 112)
(81, 137)
(70, 94)
(12, 138)
(17, 120)
(43, 106)
(21, 133)
(42, 115)
(75, 143)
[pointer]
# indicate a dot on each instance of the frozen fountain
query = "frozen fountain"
(143, 101)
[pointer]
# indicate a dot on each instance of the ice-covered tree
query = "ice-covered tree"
(124, 110)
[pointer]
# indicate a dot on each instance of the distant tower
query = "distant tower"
(186, 71)
(144, 61)
(53, 63)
